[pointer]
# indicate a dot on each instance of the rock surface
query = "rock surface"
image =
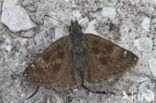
(128, 23)
(91, 28)
(144, 44)
(146, 23)
(152, 65)
(109, 12)
(15, 17)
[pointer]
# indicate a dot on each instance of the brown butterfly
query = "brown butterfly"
(79, 59)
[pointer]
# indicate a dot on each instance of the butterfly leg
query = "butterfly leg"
(33, 93)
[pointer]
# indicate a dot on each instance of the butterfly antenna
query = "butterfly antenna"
(33, 93)
(56, 19)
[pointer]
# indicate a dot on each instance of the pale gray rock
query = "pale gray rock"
(134, 2)
(76, 15)
(109, 12)
(15, 17)
(149, 1)
(146, 23)
(153, 1)
(144, 44)
(91, 28)
(146, 91)
(152, 65)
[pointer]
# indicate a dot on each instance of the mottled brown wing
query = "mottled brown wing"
(52, 66)
(109, 57)
(92, 75)
(70, 77)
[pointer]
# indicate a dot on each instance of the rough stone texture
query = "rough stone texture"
(51, 17)
(146, 23)
(109, 12)
(15, 17)
(152, 65)
(91, 28)
(144, 44)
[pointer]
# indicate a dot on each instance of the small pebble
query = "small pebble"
(91, 27)
(144, 44)
(15, 17)
(109, 12)
(146, 23)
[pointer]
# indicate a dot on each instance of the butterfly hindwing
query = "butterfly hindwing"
(70, 77)
(109, 57)
(92, 75)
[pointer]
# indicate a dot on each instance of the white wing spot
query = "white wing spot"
(125, 53)
(25, 75)
(33, 66)
(135, 58)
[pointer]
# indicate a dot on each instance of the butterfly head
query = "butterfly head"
(75, 27)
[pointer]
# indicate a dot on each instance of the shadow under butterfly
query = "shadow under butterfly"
(79, 59)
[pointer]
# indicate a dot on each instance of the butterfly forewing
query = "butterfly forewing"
(109, 57)
(49, 67)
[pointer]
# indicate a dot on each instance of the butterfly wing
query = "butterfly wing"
(70, 77)
(52, 66)
(93, 75)
(106, 59)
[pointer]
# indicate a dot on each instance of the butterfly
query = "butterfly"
(79, 59)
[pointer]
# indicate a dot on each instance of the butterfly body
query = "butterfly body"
(78, 52)
(79, 59)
